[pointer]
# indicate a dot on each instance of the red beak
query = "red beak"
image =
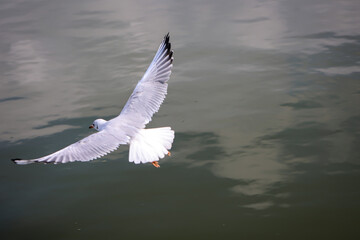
(91, 126)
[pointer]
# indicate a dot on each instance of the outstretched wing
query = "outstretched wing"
(151, 90)
(87, 149)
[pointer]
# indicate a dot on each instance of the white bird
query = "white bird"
(146, 145)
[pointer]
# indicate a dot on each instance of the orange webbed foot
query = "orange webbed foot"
(156, 164)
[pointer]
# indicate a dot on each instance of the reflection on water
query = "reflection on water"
(28, 62)
(340, 70)
(263, 97)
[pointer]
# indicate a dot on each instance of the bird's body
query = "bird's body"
(146, 145)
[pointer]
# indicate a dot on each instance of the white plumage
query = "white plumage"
(146, 145)
(150, 144)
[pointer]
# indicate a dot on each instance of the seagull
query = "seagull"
(147, 145)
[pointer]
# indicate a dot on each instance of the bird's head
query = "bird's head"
(98, 124)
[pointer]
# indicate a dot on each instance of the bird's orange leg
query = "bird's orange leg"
(156, 164)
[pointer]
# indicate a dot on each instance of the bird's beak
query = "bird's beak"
(91, 126)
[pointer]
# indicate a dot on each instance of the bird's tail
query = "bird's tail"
(149, 145)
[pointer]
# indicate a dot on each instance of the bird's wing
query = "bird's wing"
(150, 91)
(94, 146)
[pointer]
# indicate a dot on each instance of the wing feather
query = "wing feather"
(151, 90)
(92, 147)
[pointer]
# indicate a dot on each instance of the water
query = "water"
(264, 98)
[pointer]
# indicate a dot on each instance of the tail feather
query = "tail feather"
(150, 144)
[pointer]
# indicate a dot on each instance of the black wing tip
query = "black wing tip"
(19, 159)
(169, 51)
(171, 54)
(167, 39)
(168, 47)
(167, 44)
(15, 159)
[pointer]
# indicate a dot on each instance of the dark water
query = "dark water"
(264, 98)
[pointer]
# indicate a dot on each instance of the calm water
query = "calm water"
(264, 98)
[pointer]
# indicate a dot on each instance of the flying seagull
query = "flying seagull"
(146, 145)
